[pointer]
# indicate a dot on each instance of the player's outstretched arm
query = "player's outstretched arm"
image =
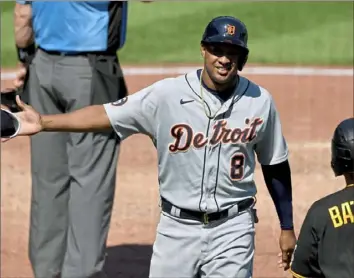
(88, 119)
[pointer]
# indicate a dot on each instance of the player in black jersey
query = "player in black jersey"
(325, 246)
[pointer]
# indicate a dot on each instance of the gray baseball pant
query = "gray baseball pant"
(190, 249)
(73, 174)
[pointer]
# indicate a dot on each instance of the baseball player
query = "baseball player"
(325, 246)
(209, 127)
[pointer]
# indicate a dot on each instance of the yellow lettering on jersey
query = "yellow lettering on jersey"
(342, 214)
(347, 213)
(335, 216)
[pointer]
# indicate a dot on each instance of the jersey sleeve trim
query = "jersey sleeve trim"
(279, 160)
(296, 275)
(106, 107)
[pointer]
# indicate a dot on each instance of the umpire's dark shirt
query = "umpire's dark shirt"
(325, 246)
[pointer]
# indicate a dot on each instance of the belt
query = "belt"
(76, 53)
(202, 216)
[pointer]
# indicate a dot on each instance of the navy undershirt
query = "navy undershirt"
(224, 95)
(278, 180)
(277, 177)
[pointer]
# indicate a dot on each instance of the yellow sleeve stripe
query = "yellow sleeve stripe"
(296, 275)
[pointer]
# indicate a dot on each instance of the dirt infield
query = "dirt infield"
(310, 107)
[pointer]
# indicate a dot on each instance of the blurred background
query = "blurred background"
(279, 32)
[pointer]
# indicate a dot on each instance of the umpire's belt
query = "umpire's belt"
(202, 216)
(76, 53)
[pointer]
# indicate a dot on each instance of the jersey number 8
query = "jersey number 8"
(237, 166)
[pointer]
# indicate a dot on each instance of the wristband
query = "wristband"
(26, 54)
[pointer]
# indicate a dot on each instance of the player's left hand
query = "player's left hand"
(287, 242)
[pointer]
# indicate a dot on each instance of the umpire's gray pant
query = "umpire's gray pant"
(73, 175)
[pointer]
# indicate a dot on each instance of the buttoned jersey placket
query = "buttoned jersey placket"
(212, 170)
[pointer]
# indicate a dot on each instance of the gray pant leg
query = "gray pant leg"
(50, 179)
(177, 248)
(189, 249)
(231, 245)
(92, 165)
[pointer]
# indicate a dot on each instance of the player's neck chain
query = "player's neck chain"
(203, 101)
(350, 185)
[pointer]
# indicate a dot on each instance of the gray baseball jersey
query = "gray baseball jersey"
(204, 163)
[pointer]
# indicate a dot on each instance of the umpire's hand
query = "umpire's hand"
(20, 77)
(287, 242)
(4, 107)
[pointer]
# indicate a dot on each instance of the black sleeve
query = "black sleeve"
(278, 180)
(7, 125)
(305, 257)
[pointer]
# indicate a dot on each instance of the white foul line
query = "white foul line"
(309, 146)
(289, 71)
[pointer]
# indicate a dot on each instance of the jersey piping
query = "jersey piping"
(205, 148)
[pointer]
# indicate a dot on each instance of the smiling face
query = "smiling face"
(220, 64)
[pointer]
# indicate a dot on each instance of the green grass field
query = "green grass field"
(279, 32)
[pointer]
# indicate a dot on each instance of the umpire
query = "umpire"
(73, 175)
(325, 246)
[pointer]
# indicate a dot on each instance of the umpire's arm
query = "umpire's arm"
(25, 45)
(24, 36)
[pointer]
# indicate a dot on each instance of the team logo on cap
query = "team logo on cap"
(230, 29)
(120, 102)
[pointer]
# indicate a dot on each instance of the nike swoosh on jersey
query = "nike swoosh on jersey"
(185, 101)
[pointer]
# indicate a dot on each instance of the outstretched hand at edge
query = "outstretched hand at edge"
(30, 121)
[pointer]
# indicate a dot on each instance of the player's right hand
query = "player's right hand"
(287, 242)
